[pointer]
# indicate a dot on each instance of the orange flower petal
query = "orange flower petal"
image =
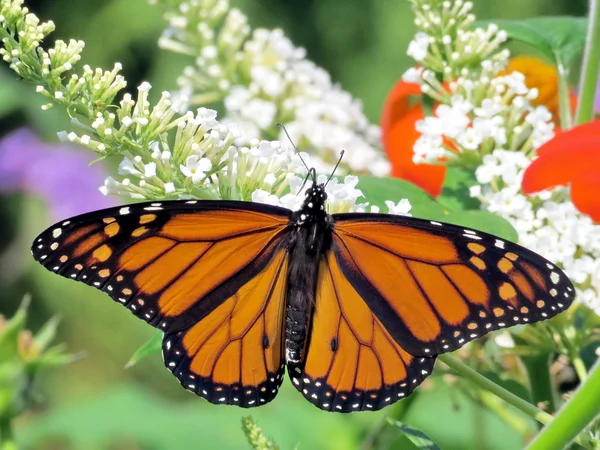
(399, 136)
(584, 195)
(569, 155)
(571, 158)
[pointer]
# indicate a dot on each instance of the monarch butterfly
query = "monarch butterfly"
(356, 305)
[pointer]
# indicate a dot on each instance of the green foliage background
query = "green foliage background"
(95, 403)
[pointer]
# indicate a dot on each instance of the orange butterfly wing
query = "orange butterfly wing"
(210, 274)
(234, 355)
(436, 286)
(352, 362)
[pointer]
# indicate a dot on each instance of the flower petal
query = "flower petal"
(584, 195)
(564, 159)
(399, 135)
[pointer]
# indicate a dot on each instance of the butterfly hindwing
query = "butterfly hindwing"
(352, 363)
(437, 286)
(234, 355)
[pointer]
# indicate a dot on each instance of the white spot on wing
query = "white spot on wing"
(124, 210)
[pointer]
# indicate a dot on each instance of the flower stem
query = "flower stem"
(575, 358)
(566, 119)
(590, 67)
(573, 418)
(509, 397)
(540, 381)
(7, 440)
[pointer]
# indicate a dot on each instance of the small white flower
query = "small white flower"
(413, 75)
(169, 188)
(292, 201)
(150, 170)
(488, 109)
(504, 340)
(417, 48)
(470, 139)
(261, 196)
(402, 208)
(270, 179)
(111, 186)
(196, 168)
(475, 191)
(126, 167)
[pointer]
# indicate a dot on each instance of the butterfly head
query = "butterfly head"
(313, 208)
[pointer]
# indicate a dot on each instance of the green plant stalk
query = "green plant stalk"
(576, 360)
(539, 415)
(564, 101)
(498, 407)
(590, 68)
(7, 440)
(573, 418)
(485, 383)
(540, 383)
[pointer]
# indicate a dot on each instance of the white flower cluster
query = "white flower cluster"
(485, 120)
(446, 43)
(481, 115)
(199, 161)
(262, 79)
(342, 197)
(547, 223)
(169, 154)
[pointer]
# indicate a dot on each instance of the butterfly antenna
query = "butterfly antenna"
(336, 166)
(279, 124)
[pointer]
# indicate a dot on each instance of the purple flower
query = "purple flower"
(59, 174)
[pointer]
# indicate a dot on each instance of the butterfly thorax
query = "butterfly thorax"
(307, 243)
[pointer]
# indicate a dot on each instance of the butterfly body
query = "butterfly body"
(356, 305)
(310, 236)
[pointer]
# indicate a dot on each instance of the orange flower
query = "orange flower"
(570, 158)
(402, 109)
(544, 77)
(400, 113)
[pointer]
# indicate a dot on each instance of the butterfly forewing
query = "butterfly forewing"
(352, 362)
(160, 259)
(437, 286)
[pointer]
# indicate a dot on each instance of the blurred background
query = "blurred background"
(95, 403)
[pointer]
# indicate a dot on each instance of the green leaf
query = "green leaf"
(151, 347)
(418, 438)
(378, 190)
(455, 192)
(47, 333)
(9, 332)
(484, 221)
(559, 39)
